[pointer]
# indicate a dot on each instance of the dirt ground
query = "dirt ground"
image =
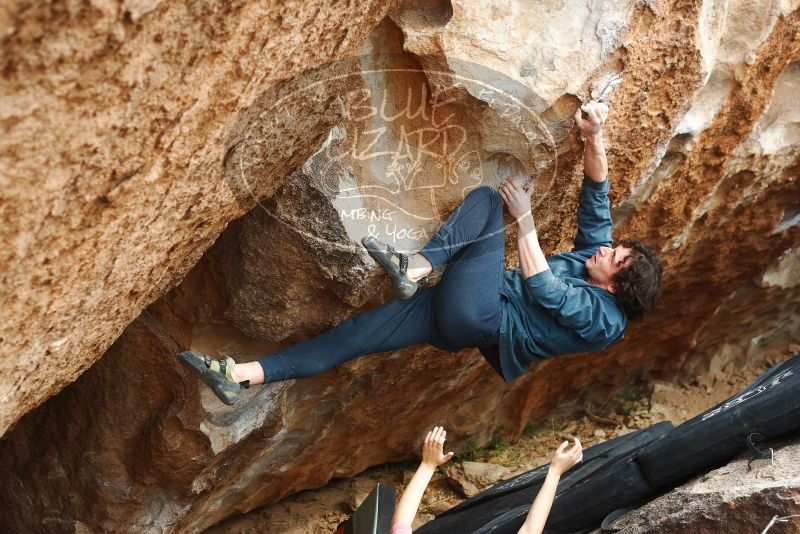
(321, 510)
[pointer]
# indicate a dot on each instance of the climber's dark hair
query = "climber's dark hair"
(638, 284)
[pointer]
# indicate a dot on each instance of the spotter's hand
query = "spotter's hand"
(433, 448)
(565, 458)
(596, 115)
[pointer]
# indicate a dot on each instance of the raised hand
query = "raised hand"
(565, 458)
(433, 447)
(596, 115)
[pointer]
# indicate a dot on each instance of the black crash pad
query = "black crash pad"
(498, 509)
(770, 406)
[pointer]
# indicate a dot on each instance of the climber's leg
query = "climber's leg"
(418, 267)
(394, 325)
(251, 372)
(470, 242)
(216, 373)
(460, 230)
(468, 306)
(466, 227)
(463, 310)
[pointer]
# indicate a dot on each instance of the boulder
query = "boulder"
(117, 118)
(470, 478)
(734, 496)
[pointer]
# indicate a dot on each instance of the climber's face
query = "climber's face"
(605, 264)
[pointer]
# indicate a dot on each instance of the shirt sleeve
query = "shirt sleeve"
(400, 528)
(594, 215)
(577, 308)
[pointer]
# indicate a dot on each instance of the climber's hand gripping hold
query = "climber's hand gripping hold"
(516, 199)
(596, 115)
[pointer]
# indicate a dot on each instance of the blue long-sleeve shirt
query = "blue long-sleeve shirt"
(557, 311)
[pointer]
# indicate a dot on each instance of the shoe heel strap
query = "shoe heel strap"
(223, 364)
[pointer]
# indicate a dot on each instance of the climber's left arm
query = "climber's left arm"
(518, 201)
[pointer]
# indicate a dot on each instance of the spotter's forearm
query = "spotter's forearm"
(537, 516)
(412, 496)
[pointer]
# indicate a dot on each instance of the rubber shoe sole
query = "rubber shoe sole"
(383, 257)
(224, 389)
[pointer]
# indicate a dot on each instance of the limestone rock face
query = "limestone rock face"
(115, 123)
(150, 434)
(210, 170)
(735, 494)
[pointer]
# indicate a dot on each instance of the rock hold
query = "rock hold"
(728, 496)
(470, 478)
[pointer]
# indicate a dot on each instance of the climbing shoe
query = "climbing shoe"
(216, 374)
(396, 263)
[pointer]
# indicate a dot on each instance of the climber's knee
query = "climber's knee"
(462, 326)
(483, 192)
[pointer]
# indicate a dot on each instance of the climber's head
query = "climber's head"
(631, 271)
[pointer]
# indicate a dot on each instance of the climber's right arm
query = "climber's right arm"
(594, 213)
(595, 164)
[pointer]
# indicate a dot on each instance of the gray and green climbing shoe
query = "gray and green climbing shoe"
(396, 263)
(216, 374)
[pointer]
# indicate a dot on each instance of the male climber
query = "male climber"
(576, 301)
